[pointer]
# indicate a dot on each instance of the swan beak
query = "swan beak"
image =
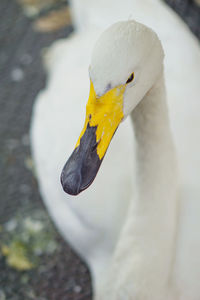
(103, 116)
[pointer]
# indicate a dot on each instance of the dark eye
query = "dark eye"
(130, 78)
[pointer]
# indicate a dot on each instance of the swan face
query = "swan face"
(123, 49)
(126, 61)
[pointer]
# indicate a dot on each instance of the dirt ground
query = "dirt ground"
(35, 262)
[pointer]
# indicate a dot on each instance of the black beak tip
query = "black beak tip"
(71, 183)
(83, 164)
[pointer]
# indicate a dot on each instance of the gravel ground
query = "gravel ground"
(58, 275)
(35, 263)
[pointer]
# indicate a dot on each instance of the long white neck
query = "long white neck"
(156, 171)
(142, 263)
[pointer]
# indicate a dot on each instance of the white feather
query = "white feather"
(93, 221)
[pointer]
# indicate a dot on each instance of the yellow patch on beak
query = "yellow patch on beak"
(105, 113)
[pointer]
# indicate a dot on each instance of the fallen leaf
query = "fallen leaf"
(55, 20)
(16, 256)
(34, 7)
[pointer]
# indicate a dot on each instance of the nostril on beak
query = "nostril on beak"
(95, 145)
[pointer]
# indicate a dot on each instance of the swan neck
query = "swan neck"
(145, 249)
(155, 155)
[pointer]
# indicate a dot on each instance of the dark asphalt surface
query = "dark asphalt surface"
(21, 78)
(59, 275)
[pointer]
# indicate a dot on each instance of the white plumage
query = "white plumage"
(162, 268)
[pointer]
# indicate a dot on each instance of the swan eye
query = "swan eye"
(130, 78)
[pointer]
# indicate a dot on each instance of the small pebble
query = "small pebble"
(31, 294)
(2, 295)
(17, 75)
(77, 289)
(33, 225)
(29, 163)
(10, 226)
(51, 247)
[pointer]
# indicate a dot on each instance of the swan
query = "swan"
(98, 224)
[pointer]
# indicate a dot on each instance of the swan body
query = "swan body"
(105, 223)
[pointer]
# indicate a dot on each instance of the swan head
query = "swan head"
(126, 61)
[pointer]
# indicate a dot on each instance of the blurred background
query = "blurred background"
(35, 262)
